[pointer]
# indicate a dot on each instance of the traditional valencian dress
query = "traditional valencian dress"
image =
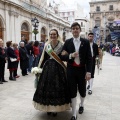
(52, 93)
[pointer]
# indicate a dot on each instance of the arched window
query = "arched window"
(43, 34)
(24, 27)
(25, 31)
(1, 30)
(97, 22)
(111, 18)
(43, 31)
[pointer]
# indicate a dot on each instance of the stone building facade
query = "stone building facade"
(103, 12)
(16, 15)
(84, 22)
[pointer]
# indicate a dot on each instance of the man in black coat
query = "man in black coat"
(77, 53)
(95, 53)
(29, 48)
(3, 59)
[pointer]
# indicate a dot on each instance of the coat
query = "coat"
(11, 54)
(24, 59)
(84, 53)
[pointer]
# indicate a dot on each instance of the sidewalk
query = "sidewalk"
(103, 104)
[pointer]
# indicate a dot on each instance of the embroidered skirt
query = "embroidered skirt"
(52, 93)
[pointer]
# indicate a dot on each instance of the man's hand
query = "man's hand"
(88, 76)
(74, 55)
(6, 58)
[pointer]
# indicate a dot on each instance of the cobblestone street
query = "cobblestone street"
(103, 104)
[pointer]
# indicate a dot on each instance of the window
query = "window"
(97, 23)
(70, 13)
(81, 24)
(24, 27)
(83, 30)
(66, 14)
(111, 7)
(43, 30)
(73, 13)
(98, 8)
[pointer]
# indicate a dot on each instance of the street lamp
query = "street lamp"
(35, 24)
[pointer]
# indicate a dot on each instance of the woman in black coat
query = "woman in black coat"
(24, 59)
(11, 64)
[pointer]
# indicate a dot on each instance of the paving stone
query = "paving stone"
(104, 104)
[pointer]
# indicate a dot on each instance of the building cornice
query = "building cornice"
(35, 11)
(115, 11)
(107, 1)
(82, 19)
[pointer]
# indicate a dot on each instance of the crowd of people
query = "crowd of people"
(113, 48)
(27, 54)
(66, 68)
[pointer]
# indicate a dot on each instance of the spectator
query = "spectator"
(16, 50)
(11, 60)
(36, 53)
(3, 59)
(29, 48)
(24, 59)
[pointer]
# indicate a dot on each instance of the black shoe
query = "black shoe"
(1, 82)
(26, 74)
(88, 86)
(81, 109)
(49, 113)
(90, 92)
(73, 118)
(4, 81)
(23, 74)
(54, 114)
(12, 79)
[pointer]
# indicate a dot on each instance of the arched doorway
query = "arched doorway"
(43, 34)
(1, 30)
(25, 31)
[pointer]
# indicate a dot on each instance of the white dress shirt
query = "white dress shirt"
(77, 43)
(91, 46)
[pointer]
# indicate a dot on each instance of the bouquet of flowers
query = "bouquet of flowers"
(37, 71)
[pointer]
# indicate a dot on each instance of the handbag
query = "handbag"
(13, 59)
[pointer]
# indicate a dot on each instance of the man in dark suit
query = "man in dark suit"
(77, 53)
(3, 59)
(95, 53)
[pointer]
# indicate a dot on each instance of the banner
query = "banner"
(96, 32)
(114, 30)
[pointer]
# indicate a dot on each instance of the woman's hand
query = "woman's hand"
(64, 52)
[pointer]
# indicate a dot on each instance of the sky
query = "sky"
(83, 3)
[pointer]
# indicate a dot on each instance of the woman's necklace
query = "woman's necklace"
(54, 45)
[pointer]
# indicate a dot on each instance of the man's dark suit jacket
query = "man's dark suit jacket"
(95, 50)
(84, 53)
(2, 56)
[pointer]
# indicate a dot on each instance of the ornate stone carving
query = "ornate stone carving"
(14, 13)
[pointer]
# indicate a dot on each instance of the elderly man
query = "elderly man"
(3, 59)
(24, 59)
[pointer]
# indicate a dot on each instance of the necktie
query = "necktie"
(91, 48)
(77, 45)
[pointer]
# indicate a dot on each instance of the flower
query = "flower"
(97, 58)
(35, 31)
(36, 70)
